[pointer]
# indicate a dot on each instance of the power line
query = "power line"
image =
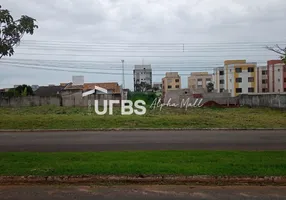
(155, 43)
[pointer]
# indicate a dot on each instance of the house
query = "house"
(49, 91)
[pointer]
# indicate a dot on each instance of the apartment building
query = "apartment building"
(171, 81)
(276, 76)
(199, 80)
(218, 78)
(262, 79)
(142, 73)
(239, 77)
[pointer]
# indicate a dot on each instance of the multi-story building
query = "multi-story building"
(199, 80)
(142, 73)
(239, 77)
(218, 78)
(262, 79)
(276, 76)
(172, 81)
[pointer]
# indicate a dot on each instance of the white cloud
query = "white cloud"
(182, 21)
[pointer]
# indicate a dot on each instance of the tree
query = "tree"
(210, 87)
(12, 31)
(142, 87)
(279, 50)
(21, 90)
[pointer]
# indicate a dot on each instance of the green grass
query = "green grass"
(236, 163)
(52, 117)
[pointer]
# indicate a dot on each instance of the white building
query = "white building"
(277, 78)
(142, 73)
(218, 79)
(236, 77)
(262, 79)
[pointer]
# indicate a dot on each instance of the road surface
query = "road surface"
(143, 140)
(140, 193)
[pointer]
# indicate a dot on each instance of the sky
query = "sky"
(91, 37)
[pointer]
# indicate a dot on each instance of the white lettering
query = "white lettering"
(111, 102)
(140, 107)
(104, 107)
(124, 106)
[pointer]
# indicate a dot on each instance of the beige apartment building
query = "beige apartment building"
(199, 80)
(171, 81)
(262, 79)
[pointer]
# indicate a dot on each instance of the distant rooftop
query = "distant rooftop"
(172, 74)
(142, 66)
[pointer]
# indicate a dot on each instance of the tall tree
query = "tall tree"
(279, 50)
(12, 31)
(210, 87)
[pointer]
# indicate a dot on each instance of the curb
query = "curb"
(143, 129)
(165, 180)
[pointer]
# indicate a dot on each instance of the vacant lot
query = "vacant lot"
(148, 163)
(51, 117)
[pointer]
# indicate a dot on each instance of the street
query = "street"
(141, 192)
(143, 140)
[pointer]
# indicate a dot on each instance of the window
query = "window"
(278, 79)
(169, 86)
(238, 80)
(250, 69)
(177, 86)
(284, 68)
(221, 73)
(229, 80)
(221, 81)
(221, 90)
(250, 79)
(284, 80)
(264, 72)
(238, 90)
(264, 90)
(278, 90)
(200, 79)
(278, 70)
(208, 79)
(284, 89)
(264, 81)
(177, 80)
(251, 89)
(238, 70)
(230, 70)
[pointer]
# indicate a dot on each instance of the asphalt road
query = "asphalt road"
(143, 140)
(140, 193)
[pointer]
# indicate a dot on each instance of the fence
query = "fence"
(70, 100)
(263, 100)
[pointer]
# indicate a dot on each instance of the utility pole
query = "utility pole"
(123, 81)
(123, 78)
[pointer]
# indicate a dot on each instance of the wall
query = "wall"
(179, 96)
(29, 101)
(263, 100)
(68, 100)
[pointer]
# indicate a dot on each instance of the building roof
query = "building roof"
(73, 87)
(172, 75)
(113, 86)
(45, 91)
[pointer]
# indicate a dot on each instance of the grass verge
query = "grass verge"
(52, 117)
(228, 163)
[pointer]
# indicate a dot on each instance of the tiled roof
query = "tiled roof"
(74, 87)
(113, 86)
(45, 91)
